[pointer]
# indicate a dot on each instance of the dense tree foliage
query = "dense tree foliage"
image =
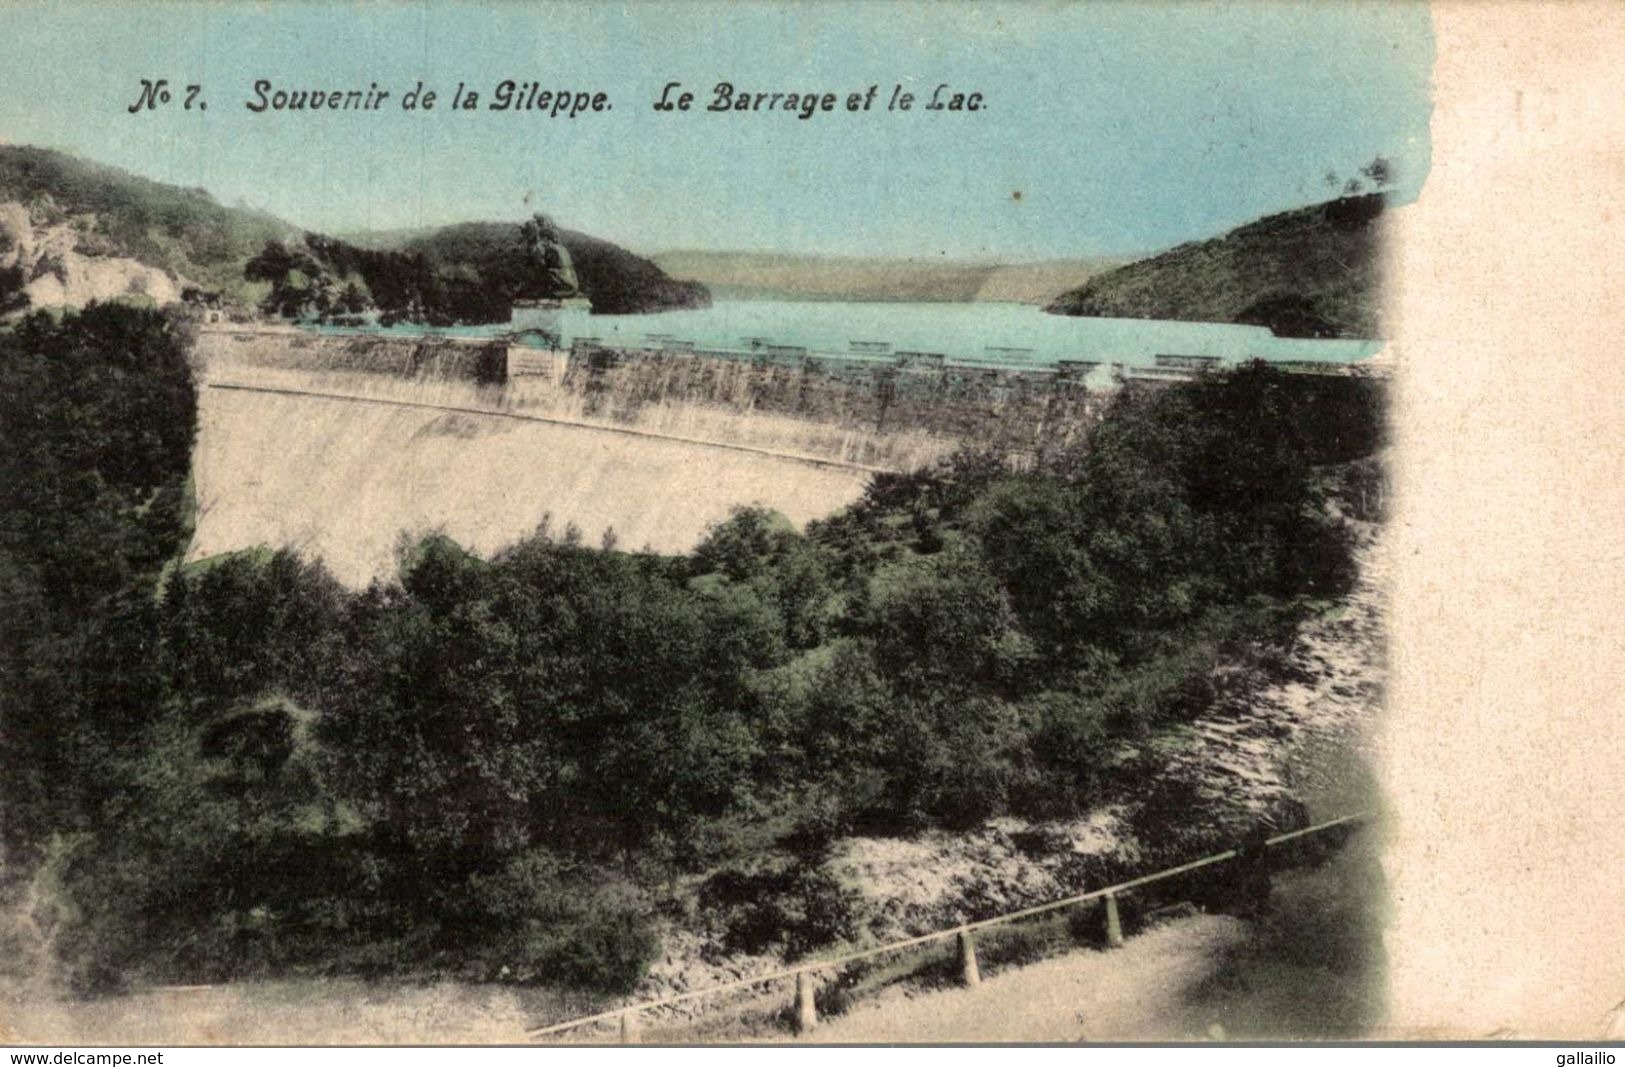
(96, 425)
(499, 768)
(326, 280)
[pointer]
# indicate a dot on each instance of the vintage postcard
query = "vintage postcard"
(770, 522)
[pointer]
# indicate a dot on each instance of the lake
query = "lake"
(968, 332)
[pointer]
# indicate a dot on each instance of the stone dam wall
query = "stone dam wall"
(901, 410)
(341, 446)
(286, 348)
(348, 448)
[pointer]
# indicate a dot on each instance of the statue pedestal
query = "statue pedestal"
(554, 323)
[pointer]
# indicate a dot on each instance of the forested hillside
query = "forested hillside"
(466, 274)
(617, 281)
(1312, 272)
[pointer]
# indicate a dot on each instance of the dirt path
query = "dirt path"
(292, 1012)
(1133, 993)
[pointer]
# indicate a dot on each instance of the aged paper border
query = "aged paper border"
(1502, 757)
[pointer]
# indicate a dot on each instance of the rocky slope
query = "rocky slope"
(77, 230)
(1249, 758)
(182, 233)
(56, 260)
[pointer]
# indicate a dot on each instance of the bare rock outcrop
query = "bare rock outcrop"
(63, 262)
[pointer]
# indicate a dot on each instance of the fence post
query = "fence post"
(1114, 923)
(806, 1010)
(968, 969)
(629, 1027)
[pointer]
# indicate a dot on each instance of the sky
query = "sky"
(1108, 128)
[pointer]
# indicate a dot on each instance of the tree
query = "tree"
(1380, 171)
(942, 627)
(13, 297)
(97, 416)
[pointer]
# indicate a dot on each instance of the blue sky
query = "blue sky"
(1125, 127)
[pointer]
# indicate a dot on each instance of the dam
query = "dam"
(348, 445)
(350, 481)
(348, 448)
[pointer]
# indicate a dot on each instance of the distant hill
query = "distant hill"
(73, 213)
(773, 276)
(1311, 272)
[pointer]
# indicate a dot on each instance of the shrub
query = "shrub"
(796, 907)
(1067, 742)
(535, 920)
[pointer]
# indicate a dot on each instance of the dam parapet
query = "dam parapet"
(863, 392)
(425, 357)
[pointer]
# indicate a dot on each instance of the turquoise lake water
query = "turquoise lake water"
(970, 332)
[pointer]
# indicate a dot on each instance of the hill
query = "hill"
(617, 281)
(72, 231)
(1311, 272)
(777, 276)
(463, 274)
(88, 225)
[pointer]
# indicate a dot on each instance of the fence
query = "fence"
(806, 1013)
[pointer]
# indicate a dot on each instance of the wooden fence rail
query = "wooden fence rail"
(806, 1013)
